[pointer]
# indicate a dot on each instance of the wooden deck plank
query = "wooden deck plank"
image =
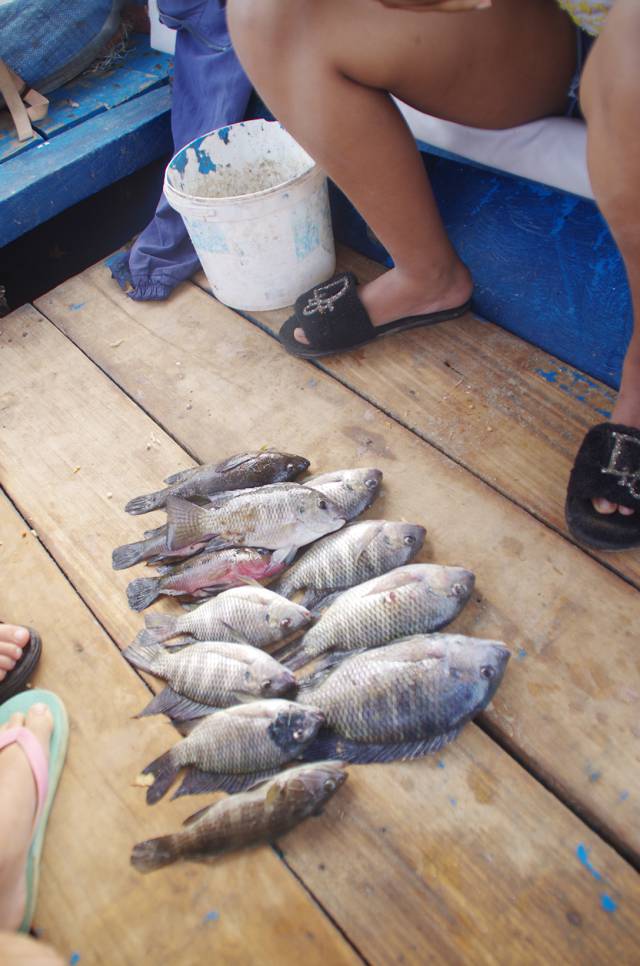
(569, 703)
(441, 878)
(92, 902)
(507, 411)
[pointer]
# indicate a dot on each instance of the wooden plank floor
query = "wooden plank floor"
(520, 842)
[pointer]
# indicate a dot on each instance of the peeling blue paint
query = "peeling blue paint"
(205, 164)
(583, 856)
(623, 796)
(77, 305)
(453, 801)
(521, 654)
(604, 412)
(441, 763)
(550, 376)
(223, 134)
(179, 163)
(211, 916)
(595, 776)
(607, 903)
(74, 958)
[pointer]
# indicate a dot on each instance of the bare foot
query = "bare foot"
(396, 294)
(17, 950)
(12, 641)
(18, 800)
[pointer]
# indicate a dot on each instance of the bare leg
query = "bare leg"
(325, 68)
(609, 95)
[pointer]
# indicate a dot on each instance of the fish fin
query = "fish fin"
(223, 496)
(393, 580)
(297, 659)
(181, 476)
(143, 652)
(185, 728)
(153, 853)
(176, 646)
(156, 532)
(185, 522)
(328, 744)
(197, 782)
(284, 555)
(175, 706)
(165, 568)
(142, 592)
(233, 462)
(323, 669)
(147, 502)
(324, 599)
(196, 816)
(128, 554)
(164, 772)
(366, 539)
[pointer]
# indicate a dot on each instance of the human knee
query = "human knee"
(259, 26)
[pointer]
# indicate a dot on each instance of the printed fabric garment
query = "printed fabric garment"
(210, 89)
(590, 15)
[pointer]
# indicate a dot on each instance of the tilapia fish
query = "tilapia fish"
(403, 700)
(153, 548)
(235, 748)
(281, 517)
(211, 675)
(253, 615)
(260, 815)
(236, 473)
(418, 598)
(349, 557)
(353, 491)
(204, 575)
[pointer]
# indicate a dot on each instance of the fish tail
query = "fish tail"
(164, 771)
(128, 554)
(154, 853)
(185, 523)
(143, 653)
(142, 592)
(150, 501)
(160, 627)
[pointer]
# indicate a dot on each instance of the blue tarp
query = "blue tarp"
(210, 89)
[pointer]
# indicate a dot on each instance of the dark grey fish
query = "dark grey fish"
(234, 748)
(235, 473)
(403, 700)
(211, 675)
(353, 491)
(351, 556)
(260, 815)
(416, 599)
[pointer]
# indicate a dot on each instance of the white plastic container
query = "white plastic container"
(256, 207)
(162, 38)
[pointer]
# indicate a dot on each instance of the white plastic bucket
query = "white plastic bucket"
(256, 207)
(162, 37)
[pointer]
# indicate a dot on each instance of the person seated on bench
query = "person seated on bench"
(326, 69)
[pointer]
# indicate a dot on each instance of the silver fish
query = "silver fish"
(353, 491)
(253, 615)
(403, 700)
(418, 598)
(281, 517)
(211, 675)
(235, 748)
(351, 556)
(235, 473)
(260, 815)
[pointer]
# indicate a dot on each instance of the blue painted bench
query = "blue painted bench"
(100, 128)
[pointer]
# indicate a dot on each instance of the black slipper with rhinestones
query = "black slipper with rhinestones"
(334, 319)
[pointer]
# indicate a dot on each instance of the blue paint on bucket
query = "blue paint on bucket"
(223, 134)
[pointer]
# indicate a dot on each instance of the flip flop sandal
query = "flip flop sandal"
(607, 465)
(16, 680)
(333, 318)
(45, 776)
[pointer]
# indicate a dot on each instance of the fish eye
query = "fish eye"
(487, 672)
(285, 622)
(298, 735)
(266, 684)
(458, 590)
(409, 540)
(329, 785)
(371, 483)
(290, 467)
(322, 504)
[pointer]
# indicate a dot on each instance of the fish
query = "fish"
(404, 700)
(211, 675)
(418, 598)
(260, 815)
(250, 615)
(353, 491)
(153, 548)
(235, 473)
(204, 575)
(348, 557)
(281, 517)
(234, 748)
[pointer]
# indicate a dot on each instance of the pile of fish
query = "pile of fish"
(387, 683)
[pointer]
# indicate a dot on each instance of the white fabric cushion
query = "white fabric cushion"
(551, 151)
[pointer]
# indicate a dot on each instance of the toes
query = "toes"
(626, 511)
(15, 721)
(299, 336)
(7, 663)
(40, 721)
(604, 506)
(14, 633)
(10, 650)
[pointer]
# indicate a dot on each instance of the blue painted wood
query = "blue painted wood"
(82, 160)
(9, 144)
(544, 262)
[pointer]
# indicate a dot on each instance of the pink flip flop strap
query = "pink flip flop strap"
(35, 756)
